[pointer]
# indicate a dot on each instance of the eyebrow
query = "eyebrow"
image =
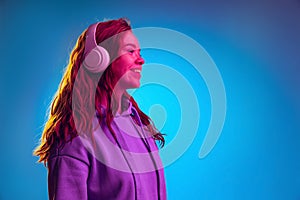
(130, 44)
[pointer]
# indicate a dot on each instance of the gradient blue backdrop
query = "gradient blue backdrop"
(255, 45)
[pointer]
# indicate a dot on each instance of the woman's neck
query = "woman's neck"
(117, 96)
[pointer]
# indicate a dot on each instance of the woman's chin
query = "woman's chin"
(135, 85)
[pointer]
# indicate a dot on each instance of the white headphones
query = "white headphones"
(96, 58)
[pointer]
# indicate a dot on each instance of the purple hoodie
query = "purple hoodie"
(129, 168)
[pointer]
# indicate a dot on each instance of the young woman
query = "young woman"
(97, 143)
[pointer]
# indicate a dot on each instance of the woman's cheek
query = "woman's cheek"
(118, 67)
(123, 64)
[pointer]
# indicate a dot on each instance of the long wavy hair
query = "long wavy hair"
(64, 109)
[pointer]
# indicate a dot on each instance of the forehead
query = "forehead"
(129, 38)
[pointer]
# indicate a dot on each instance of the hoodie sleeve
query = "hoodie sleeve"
(67, 174)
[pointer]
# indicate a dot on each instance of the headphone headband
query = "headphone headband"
(90, 38)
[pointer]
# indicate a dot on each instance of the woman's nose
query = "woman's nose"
(140, 60)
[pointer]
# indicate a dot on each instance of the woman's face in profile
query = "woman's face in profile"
(128, 66)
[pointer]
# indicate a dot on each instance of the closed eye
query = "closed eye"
(131, 48)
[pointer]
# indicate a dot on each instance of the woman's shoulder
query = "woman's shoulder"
(73, 148)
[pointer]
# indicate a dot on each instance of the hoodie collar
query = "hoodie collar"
(128, 111)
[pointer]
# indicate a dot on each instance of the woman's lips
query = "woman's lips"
(137, 70)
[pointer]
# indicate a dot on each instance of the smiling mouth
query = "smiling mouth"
(136, 70)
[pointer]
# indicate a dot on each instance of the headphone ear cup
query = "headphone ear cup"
(97, 60)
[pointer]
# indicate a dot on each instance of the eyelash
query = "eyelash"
(131, 51)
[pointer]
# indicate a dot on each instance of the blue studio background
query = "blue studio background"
(255, 45)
